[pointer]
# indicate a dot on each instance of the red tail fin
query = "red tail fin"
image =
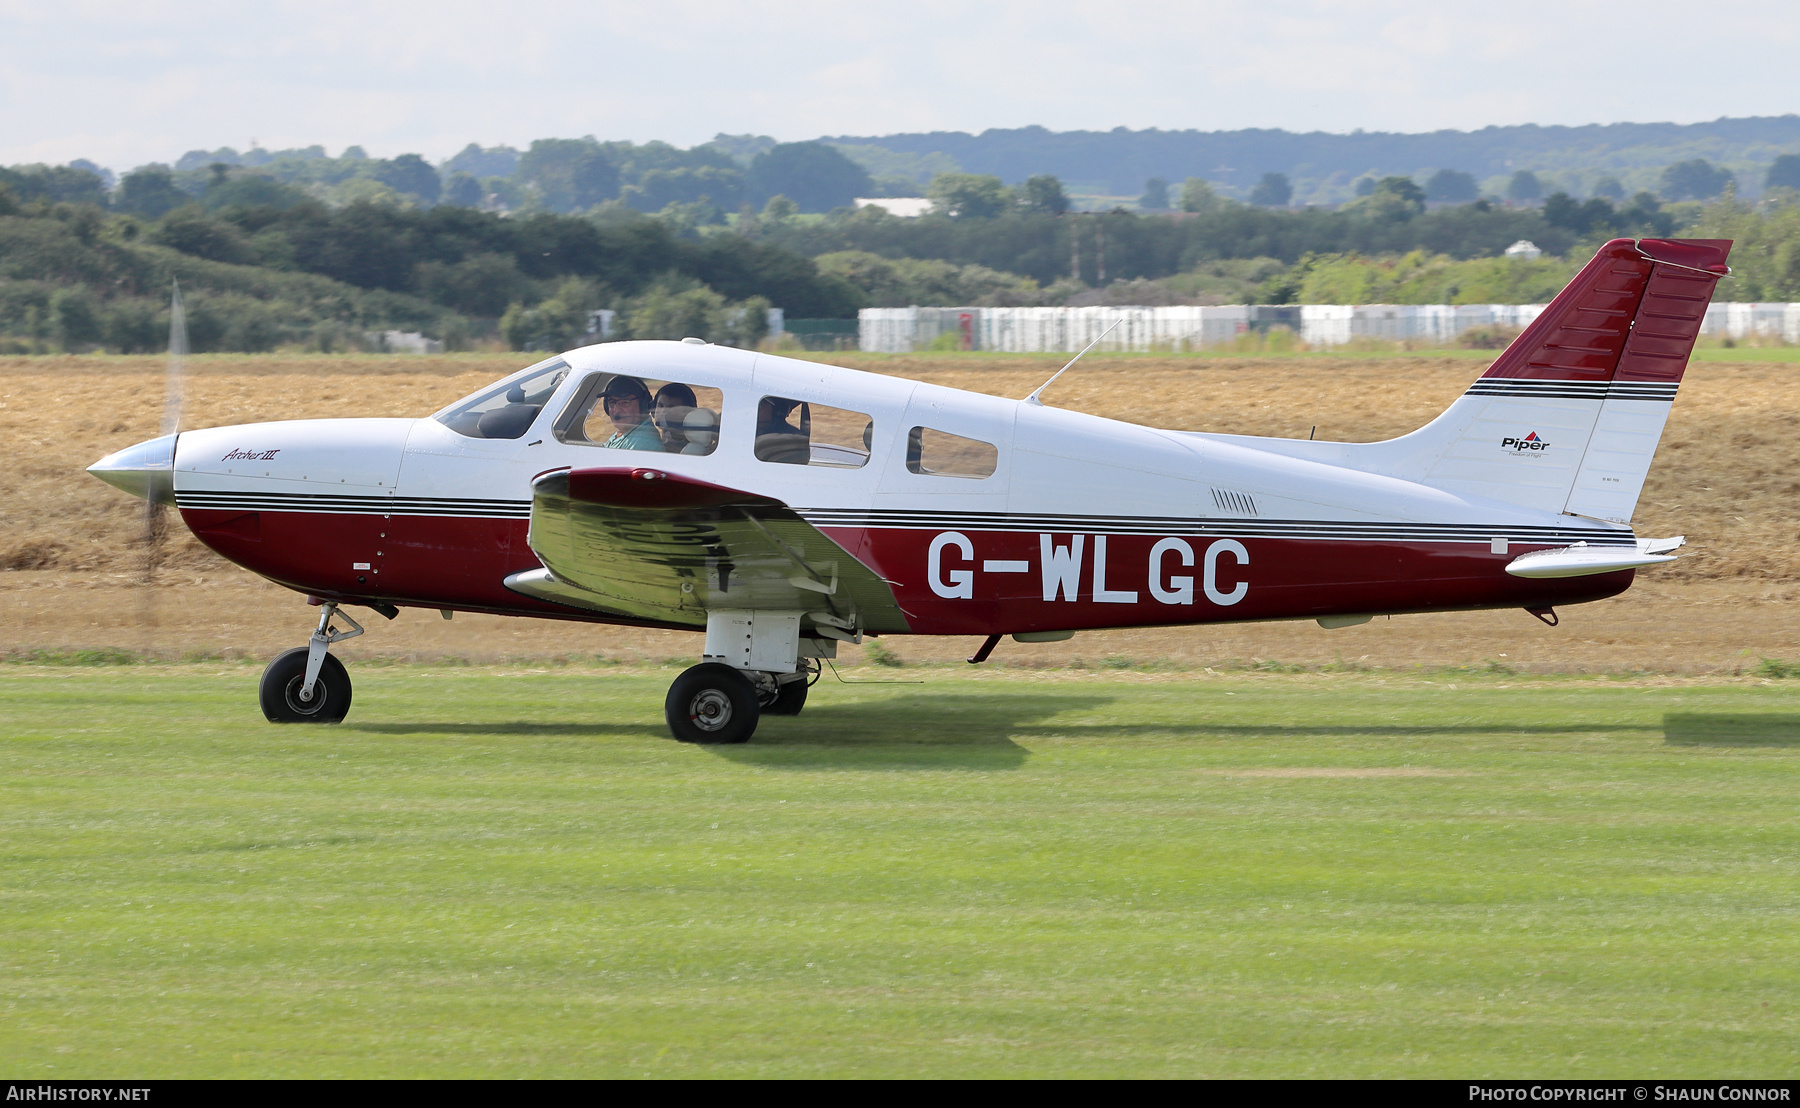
(1587, 333)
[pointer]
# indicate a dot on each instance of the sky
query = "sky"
(128, 83)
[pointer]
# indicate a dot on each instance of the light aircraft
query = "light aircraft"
(784, 506)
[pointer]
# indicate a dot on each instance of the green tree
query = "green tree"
(480, 285)
(191, 231)
(1451, 186)
(967, 195)
(816, 176)
(1044, 194)
(410, 175)
(569, 174)
(900, 282)
(1392, 200)
(1156, 195)
(1695, 179)
(1784, 173)
(251, 190)
(76, 318)
(1197, 195)
(1609, 188)
(495, 161)
(1596, 215)
(150, 191)
(1765, 255)
(675, 309)
(462, 191)
(744, 324)
(1404, 187)
(659, 188)
(1524, 188)
(1273, 191)
(58, 184)
(551, 326)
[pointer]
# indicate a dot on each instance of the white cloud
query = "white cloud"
(128, 83)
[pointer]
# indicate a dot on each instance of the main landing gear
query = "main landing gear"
(306, 684)
(714, 703)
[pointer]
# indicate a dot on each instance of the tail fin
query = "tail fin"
(1568, 417)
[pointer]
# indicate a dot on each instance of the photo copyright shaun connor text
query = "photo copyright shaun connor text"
(1649, 1093)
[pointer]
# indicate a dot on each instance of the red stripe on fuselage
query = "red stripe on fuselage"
(461, 562)
(458, 562)
(1228, 580)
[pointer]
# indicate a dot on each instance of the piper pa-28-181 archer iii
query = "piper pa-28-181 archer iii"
(785, 506)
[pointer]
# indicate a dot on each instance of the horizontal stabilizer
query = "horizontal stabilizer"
(1580, 560)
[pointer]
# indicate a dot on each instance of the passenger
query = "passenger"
(673, 403)
(777, 440)
(627, 403)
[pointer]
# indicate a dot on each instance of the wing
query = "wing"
(649, 545)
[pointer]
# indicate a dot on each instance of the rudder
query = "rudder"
(1567, 419)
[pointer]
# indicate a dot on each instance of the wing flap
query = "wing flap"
(649, 545)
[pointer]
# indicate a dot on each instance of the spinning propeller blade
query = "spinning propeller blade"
(156, 527)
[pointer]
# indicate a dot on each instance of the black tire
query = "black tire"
(280, 690)
(711, 703)
(787, 701)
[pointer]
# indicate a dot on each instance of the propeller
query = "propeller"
(156, 524)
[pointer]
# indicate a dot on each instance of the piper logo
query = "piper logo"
(1529, 442)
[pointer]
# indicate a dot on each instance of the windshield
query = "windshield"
(507, 409)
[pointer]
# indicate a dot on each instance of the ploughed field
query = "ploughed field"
(1726, 476)
(514, 873)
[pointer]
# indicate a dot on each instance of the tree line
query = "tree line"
(268, 264)
(559, 176)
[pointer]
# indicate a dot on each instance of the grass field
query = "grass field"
(513, 873)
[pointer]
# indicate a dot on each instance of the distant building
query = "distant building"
(906, 207)
(1524, 248)
(404, 342)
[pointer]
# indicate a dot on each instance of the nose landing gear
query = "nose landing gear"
(306, 684)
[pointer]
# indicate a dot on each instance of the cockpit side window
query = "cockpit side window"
(623, 412)
(508, 409)
(941, 454)
(797, 432)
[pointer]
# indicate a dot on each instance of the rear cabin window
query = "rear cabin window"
(801, 433)
(622, 412)
(941, 454)
(508, 409)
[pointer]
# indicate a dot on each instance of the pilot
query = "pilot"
(669, 414)
(777, 440)
(627, 403)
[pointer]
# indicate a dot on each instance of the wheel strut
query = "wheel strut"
(322, 638)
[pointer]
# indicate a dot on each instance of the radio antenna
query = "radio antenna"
(1033, 398)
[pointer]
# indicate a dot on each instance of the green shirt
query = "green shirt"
(641, 437)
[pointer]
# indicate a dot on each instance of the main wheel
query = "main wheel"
(711, 703)
(787, 701)
(280, 690)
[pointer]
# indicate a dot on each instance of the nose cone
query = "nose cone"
(146, 470)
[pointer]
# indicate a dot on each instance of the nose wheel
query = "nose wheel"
(712, 703)
(306, 684)
(285, 698)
